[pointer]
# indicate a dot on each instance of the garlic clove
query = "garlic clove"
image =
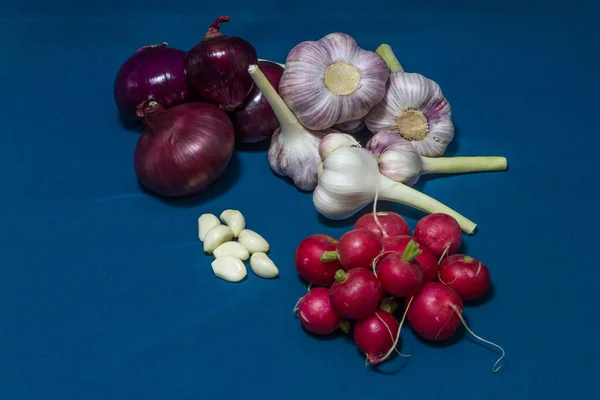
(235, 220)
(398, 159)
(334, 141)
(216, 236)
(263, 266)
(205, 222)
(253, 241)
(232, 249)
(229, 268)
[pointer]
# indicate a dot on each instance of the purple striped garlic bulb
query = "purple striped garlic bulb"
(332, 80)
(413, 107)
(294, 149)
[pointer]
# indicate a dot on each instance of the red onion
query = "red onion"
(217, 68)
(153, 72)
(182, 150)
(256, 121)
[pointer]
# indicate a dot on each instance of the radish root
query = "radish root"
(444, 254)
(385, 357)
(377, 222)
(300, 299)
(495, 368)
(392, 336)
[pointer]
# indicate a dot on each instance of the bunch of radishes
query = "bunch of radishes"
(359, 277)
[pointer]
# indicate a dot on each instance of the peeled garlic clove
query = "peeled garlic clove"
(229, 268)
(235, 220)
(205, 222)
(232, 249)
(263, 266)
(253, 241)
(216, 236)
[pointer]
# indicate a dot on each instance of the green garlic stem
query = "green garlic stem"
(385, 51)
(452, 165)
(284, 115)
(401, 193)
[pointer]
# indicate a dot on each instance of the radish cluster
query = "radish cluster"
(357, 282)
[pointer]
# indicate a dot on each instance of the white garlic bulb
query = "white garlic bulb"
(350, 180)
(294, 149)
(332, 80)
(398, 160)
(413, 107)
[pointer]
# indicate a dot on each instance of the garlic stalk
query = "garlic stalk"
(413, 107)
(350, 180)
(332, 80)
(294, 149)
(400, 161)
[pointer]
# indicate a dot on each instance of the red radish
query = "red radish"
(356, 293)
(375, 335)
(399, 273)
(440, 233)
(308, 260)
(437, 311)
(467, 276)
(316, 314)
(427, 261)
(356, 249)
(393, 224)
(432, 312)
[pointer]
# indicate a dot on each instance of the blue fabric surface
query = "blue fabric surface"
(105, 292)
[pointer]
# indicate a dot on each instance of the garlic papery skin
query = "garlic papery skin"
(294, 149)
(352, 126)
(332, 80)
(399, 160)
(334, 141)
(350, 180)
(415, 108)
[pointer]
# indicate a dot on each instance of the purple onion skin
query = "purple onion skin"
(152, 73)
(182, 150)
(217, 68)
(256, 121)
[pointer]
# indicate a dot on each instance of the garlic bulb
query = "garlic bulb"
(334, 141)
(415, 108)
(350, 180)
(399, 160)
(332, 80)
(294, 149)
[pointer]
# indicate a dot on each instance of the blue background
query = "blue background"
(105, 292)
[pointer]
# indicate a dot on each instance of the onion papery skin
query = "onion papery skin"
(182, 150)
